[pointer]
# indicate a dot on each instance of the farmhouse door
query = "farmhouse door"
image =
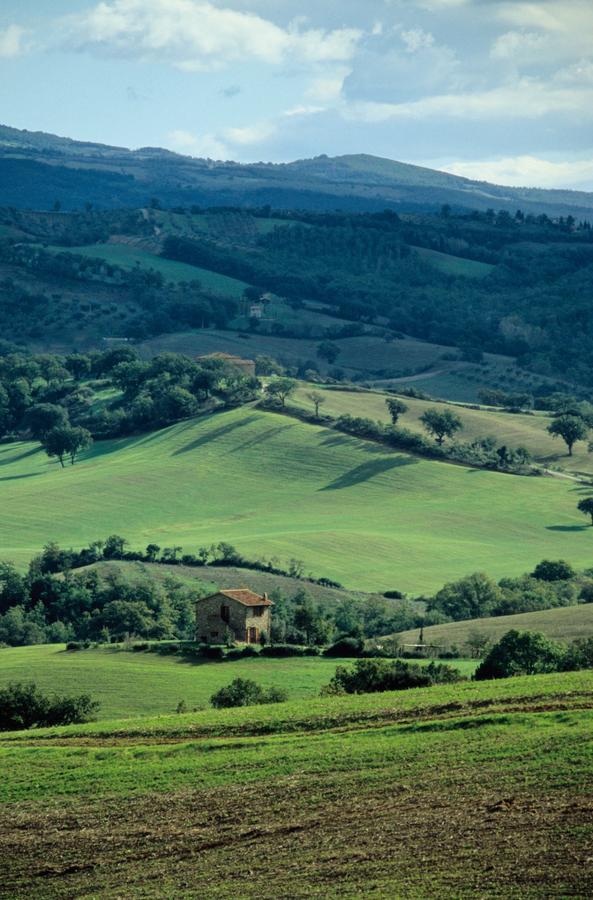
(253, 635)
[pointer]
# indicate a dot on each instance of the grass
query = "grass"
(141, 684)
(454, 265)
(478, 789)
(514, 430)
(564, 624)
(129, 257)
(351, 510)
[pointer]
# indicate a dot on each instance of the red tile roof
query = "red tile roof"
(244, 596)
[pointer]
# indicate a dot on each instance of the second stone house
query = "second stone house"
(239, 613)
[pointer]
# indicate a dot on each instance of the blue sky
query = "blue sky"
(494, 89)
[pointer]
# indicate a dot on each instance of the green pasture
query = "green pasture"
(351, 510)
(454, 265)
(139, 684)
(567, 623)
(512, 429)
(129, 257)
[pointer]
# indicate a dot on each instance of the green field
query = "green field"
(129, 257)
(139, 684)
(563, 624)
(454, 265)
(478, 789)
(514, 430)
(351, 510)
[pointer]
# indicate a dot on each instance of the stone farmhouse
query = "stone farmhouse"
(243, 613)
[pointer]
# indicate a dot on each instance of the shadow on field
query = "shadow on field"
(368, 470)
(17, 477)
(13, 459)
(261, 438)
(213, 435)
(567, 527)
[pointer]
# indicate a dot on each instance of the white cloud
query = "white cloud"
(202, 145)
(197, 35)
(525, 99)
(520, 46)
(12, 42)
(303, 111)
(327, 88)
(568, 22)
(528, 171)
(250, 134)
(417, 39)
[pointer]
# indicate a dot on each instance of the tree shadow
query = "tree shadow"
(260, 438)
(13, 459)
(368, 470)
(213, 435)
(17, 477)
(567, 527)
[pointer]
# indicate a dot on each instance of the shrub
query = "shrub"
(284, 650)
(78, 645)
(394, 595)
(579, 655)
(521, 653)
(373, 675)
(213, 653)
(344, 647)
(553, 570)
(244, 692)
(25, 706)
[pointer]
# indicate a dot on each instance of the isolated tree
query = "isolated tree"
(317, 400)
(42, 417)
(79, 439)
(152, 551)
(57, 442)
(441, 424)
(281, 389)
(570, 428)
(329, 351)
(586, 506)
(396, 408)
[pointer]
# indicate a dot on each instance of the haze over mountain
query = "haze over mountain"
(37, 169)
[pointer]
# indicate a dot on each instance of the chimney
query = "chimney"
(265, 595)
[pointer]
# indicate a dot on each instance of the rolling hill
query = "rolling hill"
(351, 510)
(527, 430)
(567, 623)
(452, 791)
(36, 168)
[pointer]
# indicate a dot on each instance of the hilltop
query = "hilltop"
(36, 168)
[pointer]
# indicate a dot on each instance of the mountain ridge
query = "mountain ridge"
(37, 168)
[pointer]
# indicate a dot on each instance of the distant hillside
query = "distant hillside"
(565, 623)
(36, 169)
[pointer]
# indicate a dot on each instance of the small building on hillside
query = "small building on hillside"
(246, 366)
(243, 613)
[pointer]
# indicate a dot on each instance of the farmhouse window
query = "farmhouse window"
(258, 610)
(225, 613)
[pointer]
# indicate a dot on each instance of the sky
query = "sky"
(498, 90)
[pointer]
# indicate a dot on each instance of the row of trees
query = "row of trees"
(552, 583)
